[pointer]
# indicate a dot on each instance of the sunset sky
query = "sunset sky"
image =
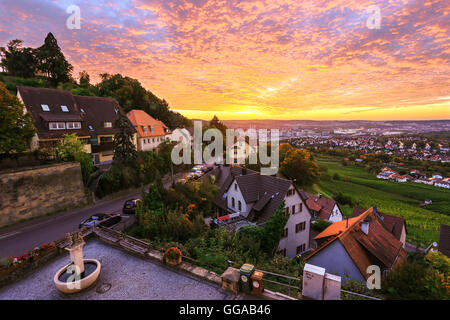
(274, 59)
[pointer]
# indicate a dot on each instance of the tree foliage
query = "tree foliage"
(132, 95)
(19, 61)
(298, 164)
(422, 278)
(124, 148)
(52, 62)
(16, 128)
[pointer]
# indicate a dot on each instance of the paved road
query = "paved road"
(18, 239)
(21, 238)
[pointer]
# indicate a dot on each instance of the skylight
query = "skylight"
(64, 109)
(45, 107)
(82, 110)
(90, 128)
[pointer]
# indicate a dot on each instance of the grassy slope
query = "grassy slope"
(400, 199)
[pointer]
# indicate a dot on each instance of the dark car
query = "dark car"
(129, 207)
(105, 219)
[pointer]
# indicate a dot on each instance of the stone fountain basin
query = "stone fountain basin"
(77, 286)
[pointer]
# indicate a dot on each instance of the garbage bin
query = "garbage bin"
(257, 284)
(246, 272)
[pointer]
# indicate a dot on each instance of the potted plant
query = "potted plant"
(173, 256)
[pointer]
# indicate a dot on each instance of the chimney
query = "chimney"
(365, 226)
(347, 222)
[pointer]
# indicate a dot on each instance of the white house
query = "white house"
(254, 198)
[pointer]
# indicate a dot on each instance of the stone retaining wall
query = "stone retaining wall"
(33, 192)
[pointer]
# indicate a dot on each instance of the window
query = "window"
(301, 207)
(64, 109)
(235, 186)
(286, 211)
(57, 125)
(285, 233)
(108, 125)
(301, 248)
(293, 209)
(91, 128)
(153, 140)
(106, 139)
(82, 110)
(300, 227)
(45, 107)
(145, 141)
(145, 130)
(232, 202)
(73, 125)
(239, 206)
(152, 129)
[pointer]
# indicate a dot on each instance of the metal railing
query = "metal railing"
(290, 281)
(359, 295)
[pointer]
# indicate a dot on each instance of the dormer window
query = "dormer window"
(57, 125)
(45, 107)
(108, 124)
(64, 109)
(145, 130)
(152, 129)
(91, 128)
(82, 110)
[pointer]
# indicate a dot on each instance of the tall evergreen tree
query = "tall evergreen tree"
(16, 128)
(215, 122)
(52, 62)
(124, 149)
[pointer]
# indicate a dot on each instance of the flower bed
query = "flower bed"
(13, 268)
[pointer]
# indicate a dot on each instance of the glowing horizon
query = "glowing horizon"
(258, 59)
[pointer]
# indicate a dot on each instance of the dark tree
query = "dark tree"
(132, 95)
(84, 79)
(124, 149)
(52, 62)
(16, 128)
(18, 61)
(215, 122)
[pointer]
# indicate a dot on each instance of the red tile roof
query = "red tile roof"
(392, 223)
(141, 119)
(378, 246)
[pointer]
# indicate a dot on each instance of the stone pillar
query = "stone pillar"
(313, 282)
(76, 256)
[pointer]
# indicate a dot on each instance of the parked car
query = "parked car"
(106, 219)
(191, 175)
(129, 207)
(198, 173)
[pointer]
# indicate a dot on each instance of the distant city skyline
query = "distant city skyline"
(262, 59)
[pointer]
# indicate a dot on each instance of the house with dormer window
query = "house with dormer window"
(149, 131)
(58, 112)
(248, 198)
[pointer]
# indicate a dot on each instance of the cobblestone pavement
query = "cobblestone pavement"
(123, 276)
